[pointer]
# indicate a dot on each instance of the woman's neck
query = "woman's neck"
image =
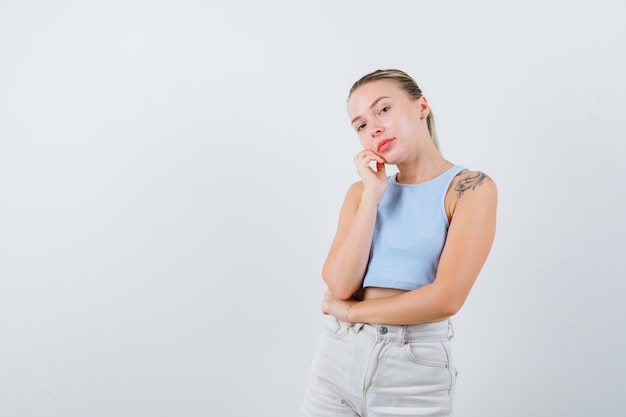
(427, 168)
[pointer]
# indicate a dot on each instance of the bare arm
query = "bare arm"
(347, 259)
(468, 242)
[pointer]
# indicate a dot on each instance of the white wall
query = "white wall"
(171, 174)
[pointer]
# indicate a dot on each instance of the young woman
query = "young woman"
(407, 251)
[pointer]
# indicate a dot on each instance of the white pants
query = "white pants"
(364, 370)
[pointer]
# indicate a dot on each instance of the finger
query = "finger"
(373, 156)
(362, 158)
(365, 157)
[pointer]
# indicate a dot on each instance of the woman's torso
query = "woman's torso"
(371, 293)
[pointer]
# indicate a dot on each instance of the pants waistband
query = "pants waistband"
(402, 334)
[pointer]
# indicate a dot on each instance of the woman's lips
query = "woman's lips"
(384, 145)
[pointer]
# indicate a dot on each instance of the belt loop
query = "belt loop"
(357, 327)
(401, 335)
(450, 329)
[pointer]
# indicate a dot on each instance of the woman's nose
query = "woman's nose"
(376, 130)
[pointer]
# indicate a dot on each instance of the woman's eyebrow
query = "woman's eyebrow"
(371, 106)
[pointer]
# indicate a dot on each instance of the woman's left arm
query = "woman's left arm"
(469, 240)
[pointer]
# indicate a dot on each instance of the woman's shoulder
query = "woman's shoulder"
(470, 190)
(356, 188)
(353, 195)
(466, 181)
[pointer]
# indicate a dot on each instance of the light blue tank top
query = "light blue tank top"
(411, 228)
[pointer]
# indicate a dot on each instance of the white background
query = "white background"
(171, 174)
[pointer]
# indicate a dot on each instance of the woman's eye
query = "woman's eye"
(384, 109)
(360, 127)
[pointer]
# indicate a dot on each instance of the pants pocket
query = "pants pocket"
(335, 328)
(435, 354)
(428, 353)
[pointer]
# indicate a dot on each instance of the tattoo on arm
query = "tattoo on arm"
(470, 182)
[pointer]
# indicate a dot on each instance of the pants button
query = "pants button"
(382, 330)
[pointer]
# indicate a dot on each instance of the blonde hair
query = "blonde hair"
(405, 82)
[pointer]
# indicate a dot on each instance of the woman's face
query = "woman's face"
(386, 119)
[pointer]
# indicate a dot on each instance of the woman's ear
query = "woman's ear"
(424, 108)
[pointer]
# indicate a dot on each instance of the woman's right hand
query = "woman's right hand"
(374, 181)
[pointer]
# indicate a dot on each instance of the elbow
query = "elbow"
(449, 310)
(451, 305)
(448, 302)
(339, 291)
